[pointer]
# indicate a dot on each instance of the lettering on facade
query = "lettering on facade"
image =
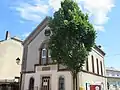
(45, 68)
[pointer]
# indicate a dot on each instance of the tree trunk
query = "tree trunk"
(74, 81)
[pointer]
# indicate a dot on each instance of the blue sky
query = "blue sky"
(20, 17)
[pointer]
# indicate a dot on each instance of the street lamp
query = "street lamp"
(18, 61)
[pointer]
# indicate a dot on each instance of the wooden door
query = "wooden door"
(45, 83)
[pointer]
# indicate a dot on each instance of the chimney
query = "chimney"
(7, 35)
(99, 46)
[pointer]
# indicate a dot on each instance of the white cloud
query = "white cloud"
(21, 21)
(32, 11)
(55, 4)
(99, 10)
(99, 28)
(25, 34)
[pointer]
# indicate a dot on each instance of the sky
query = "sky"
(20, 17)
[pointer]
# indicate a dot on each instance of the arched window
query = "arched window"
(61, 83)
(31, 83)
(45, 57)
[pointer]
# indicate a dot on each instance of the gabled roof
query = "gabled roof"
(16, 39)
(100, 50)
(13, 38)
(40, 27)
(8, 37)
(35, 32)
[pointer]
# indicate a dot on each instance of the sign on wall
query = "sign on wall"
(95, 87)
(45, 68)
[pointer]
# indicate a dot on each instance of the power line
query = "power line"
(113, 55)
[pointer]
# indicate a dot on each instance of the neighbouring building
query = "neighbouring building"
(113, 78)
(11, 48)
(40, 73)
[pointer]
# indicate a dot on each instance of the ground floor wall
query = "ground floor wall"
(84, 80)
(54, 77)
(87, 79)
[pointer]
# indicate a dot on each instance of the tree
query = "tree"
(72, 38)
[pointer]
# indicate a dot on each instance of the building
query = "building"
(113, 78)
(10, 49)
(40, 73)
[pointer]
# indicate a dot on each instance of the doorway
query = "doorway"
(45, 83)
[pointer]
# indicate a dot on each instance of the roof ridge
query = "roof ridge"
(33, 32)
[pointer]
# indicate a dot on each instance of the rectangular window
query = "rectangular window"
(44, 52)
(97, 66)
(49, 53)
(43, 56)
(49, 57)
(61, 83)
(92, 64)
(101, 68)
(87, 65)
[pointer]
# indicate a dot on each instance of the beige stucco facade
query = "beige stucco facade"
(83, 78)
(86, 78)
(54, 75)
(10, 50)
(32, 57)
(33, 51)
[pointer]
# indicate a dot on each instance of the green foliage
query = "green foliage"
(73, 36)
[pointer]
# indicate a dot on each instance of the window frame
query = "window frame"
(97, 62)
(87, 65)
(31, 83)
(47, 58)
(101, 66)
(63, 82)
(42, 56)
(93, 68)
